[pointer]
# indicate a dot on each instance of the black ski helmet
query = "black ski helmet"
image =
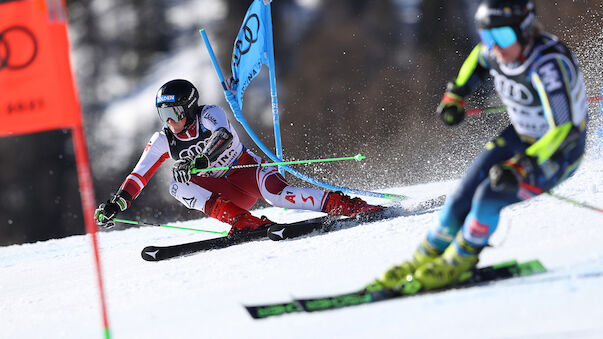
(520, 15)
(177, 99)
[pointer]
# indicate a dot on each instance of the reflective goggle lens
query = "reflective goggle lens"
(502, 36)
(175, 113)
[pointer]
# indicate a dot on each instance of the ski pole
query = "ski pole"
(500, 109)
(168, 226)
(575, 202)
(357, 157)
(537, 190)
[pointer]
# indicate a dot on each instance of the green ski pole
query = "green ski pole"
(357, 157)
(169, 226)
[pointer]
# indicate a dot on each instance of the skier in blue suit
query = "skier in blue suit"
(538, 79)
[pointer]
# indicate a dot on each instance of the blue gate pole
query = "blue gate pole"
(273, 95)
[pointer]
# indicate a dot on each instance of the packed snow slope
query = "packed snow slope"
(49, 288)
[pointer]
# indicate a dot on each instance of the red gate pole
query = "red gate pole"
(84, 175)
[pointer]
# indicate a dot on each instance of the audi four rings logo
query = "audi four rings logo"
(511, 89)
(18, 48)
(192, 151)
(250, 30)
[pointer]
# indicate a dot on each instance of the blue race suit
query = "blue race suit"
(546, 101)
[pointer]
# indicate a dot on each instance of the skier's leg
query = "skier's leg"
(227, 190)
(190, 194)
(212, 196)
(458, 204)
(483, 218)
(228, 212)
(275, 189)
(462, 254)
(268, 184)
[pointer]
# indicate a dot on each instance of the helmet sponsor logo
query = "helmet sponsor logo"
(191, 98)
(165, 98)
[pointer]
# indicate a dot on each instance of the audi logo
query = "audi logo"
(251, 27)
(511, 89)
(18, 48)
(192, 151)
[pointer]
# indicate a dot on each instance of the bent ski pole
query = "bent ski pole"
(168, 226)
(357, 157)
(500, 109)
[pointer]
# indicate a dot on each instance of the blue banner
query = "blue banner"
(250, 48)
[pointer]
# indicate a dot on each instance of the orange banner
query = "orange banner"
(36, 83)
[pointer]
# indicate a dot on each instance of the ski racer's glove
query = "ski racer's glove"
(182, 170)
(201, 162)
(452, 107)
(107, 211)
(506, 176)
(231, 94)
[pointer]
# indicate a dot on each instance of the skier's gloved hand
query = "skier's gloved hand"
(506, 176)
(201, 162)
(452, 107)
(182, 170)
(107, 211)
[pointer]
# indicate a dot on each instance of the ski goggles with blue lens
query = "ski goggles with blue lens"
(175, 113)
(502, 36)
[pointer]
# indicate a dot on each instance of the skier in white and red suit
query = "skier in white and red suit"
(201, 137)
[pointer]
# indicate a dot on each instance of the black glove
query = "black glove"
(452, 107)
(182, 170)
(201, 162)
(107, 211)
(506, 176)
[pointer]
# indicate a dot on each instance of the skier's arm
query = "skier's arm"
(452, 107)
(214, 119)
(155, 153)
(472, 73)
(555, 79)
(153, 156)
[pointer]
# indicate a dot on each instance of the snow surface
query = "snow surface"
(49, 288)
